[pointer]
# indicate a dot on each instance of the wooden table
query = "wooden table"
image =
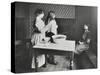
(64, 48)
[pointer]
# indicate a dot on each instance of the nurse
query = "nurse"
(38, 35)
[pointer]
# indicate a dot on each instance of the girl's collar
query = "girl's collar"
(87, 31)
(38, 18)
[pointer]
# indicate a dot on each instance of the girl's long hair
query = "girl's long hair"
(49, 17)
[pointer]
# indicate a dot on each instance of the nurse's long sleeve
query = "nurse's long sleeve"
(40, 25)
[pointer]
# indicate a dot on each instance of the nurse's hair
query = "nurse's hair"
(38, 12)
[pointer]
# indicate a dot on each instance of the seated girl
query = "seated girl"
(52, 30)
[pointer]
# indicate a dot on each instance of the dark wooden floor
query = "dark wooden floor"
(23, 59)
(63, 65)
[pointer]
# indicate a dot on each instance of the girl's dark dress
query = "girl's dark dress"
(82, 58)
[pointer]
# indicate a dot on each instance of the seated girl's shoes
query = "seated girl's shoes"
(54, 63)
(44, 65)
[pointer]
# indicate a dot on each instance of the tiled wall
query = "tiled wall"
(26, 11)
(61, 11)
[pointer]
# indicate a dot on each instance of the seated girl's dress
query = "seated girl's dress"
(52, 30)
(53, 27)
(84, 46)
